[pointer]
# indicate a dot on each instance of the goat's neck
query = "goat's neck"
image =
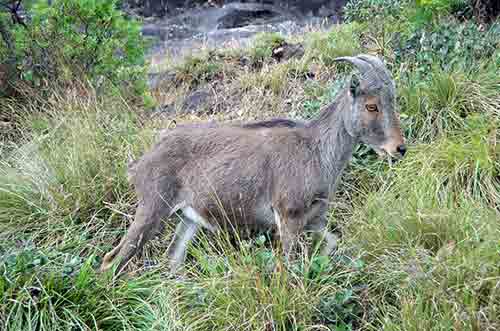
(335, 144)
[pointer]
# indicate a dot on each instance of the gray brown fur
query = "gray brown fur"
(270, 177)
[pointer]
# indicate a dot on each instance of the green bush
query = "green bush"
(449, 46)
(366, 10)
(78, 41)
(429, 10)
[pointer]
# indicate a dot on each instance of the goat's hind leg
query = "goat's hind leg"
(147, 221)
(191, 221)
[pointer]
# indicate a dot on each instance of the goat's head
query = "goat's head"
(373, 117)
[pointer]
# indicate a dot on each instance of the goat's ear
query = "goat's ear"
(354, 85)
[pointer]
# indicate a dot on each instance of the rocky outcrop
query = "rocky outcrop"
(155, 7)
(312, 7)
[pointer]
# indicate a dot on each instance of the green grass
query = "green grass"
(343, 40)
(247, 286)
(443, 103)
(41, 290)
(420, 247)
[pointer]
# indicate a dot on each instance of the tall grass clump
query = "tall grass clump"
(430, 234)
(249, 287)
(438, 176)
(262, 47)
(67, 177)
(44, 290)
(444, 101)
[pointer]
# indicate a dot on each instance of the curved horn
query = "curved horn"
(378, 65)
(364, 67)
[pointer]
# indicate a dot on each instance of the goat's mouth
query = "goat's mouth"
(384, 154)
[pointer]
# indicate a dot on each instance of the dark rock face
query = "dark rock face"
(314, 7)
(191, 25)
(239, 18)
(155, 7)
(214, 23)
(486, 10)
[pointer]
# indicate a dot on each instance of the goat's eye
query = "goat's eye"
(372, 108)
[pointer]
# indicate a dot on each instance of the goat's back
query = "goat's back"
(232, 167)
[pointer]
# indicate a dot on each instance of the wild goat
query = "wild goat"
(266, 124)
(279, 177)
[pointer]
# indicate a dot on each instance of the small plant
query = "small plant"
(263, 46)
(340, 311)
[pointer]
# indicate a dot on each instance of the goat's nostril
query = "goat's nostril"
(401, 149)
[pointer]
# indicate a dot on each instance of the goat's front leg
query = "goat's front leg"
(292, 222)
(286, 233)
(318, 225)
(184, 233)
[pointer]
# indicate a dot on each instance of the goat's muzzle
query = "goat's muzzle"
(401, 149)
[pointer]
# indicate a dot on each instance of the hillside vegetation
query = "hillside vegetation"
(420, 239)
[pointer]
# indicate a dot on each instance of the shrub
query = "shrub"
(366, 10)
(429, 10)
(453, 45)
(79, 40)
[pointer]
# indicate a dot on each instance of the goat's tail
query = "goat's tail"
(131, 169)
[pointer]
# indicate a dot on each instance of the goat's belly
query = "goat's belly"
(259, 218)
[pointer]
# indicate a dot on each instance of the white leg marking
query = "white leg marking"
(177, 207)
(331, 243)
(184, 237)
(190, 213)
(277, 221)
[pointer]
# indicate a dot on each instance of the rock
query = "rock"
(156, 79)
(239, 15)
(155, 8)
(287, 51)
(198, 100)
